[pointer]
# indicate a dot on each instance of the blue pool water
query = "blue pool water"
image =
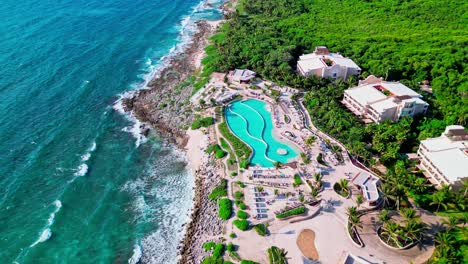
(251, 122)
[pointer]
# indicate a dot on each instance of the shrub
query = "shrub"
(218, 250)
(208, 246)
(233, 173)
(242, 225)
(230, 247)
(244, 261)
(225, 208)
(232, 235)
(224, 144)
(261, 229)
(239, 195)
(297, 180)
(219, 191)
(219, 154)
(296, 211)
(241, 184)
(242, 215)
(202, 122)
(241, 204)
(212, 260)
(240, 148)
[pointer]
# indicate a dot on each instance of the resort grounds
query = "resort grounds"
(306, 180)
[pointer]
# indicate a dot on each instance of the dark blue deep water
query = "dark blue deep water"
(75, 187)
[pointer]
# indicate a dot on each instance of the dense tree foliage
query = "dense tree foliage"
(405, 40)
(411, 40)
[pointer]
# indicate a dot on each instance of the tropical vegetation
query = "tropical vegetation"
(225, 208)
(295, 211)
(202, 122)
(277, 255)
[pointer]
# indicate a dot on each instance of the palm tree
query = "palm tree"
(465, 186)
(277, 165)
(354, 221)
(439, 198)
(385, 192)
(414, 228)
(343, 183)
(463, 219)
(318, 177)
(315, 193)
(384, 216)
(352, 211)
(451, 222)
(359, 200)
(444, 239)
(398, 195)
(392, 230)
(419, 185)
(277, 255)
(408, 213)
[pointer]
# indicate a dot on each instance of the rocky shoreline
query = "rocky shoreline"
(165, 107)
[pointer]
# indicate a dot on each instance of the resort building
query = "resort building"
(367, 184)
(242, 76)
(377, 100)
(444, 160)
(324, 64)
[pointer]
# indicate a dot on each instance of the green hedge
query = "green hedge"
(242, 224)
(219, 153)
(202, 122)
(248, 262)
(296, 211)
(297, 180)
(242, 215)
(219, 191)
(261, 229)
(240, 148)
(225, 208)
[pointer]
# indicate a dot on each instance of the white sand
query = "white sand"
(195, 145)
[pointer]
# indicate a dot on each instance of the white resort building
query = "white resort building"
(368, 185)
(324, 64)
(242, 75)
(444, 160)
(380, 100)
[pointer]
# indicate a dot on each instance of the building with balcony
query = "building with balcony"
(368, 185)
(378, 100)
(324, 64)
(444, 160)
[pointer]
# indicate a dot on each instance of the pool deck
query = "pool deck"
(332, 240)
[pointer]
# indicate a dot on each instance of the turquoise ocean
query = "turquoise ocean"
(76, 186)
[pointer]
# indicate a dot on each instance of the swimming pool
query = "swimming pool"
(250, 121)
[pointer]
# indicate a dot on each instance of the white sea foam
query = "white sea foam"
(82, 170)
(163, 196)
(137, 253)
(46, 232)
(187, 28)
(45, 235)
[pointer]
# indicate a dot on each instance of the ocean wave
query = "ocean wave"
(137, 253)
(45, 235)
(162, 197)
(46, 232)
(82, 169)
(186, 29)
